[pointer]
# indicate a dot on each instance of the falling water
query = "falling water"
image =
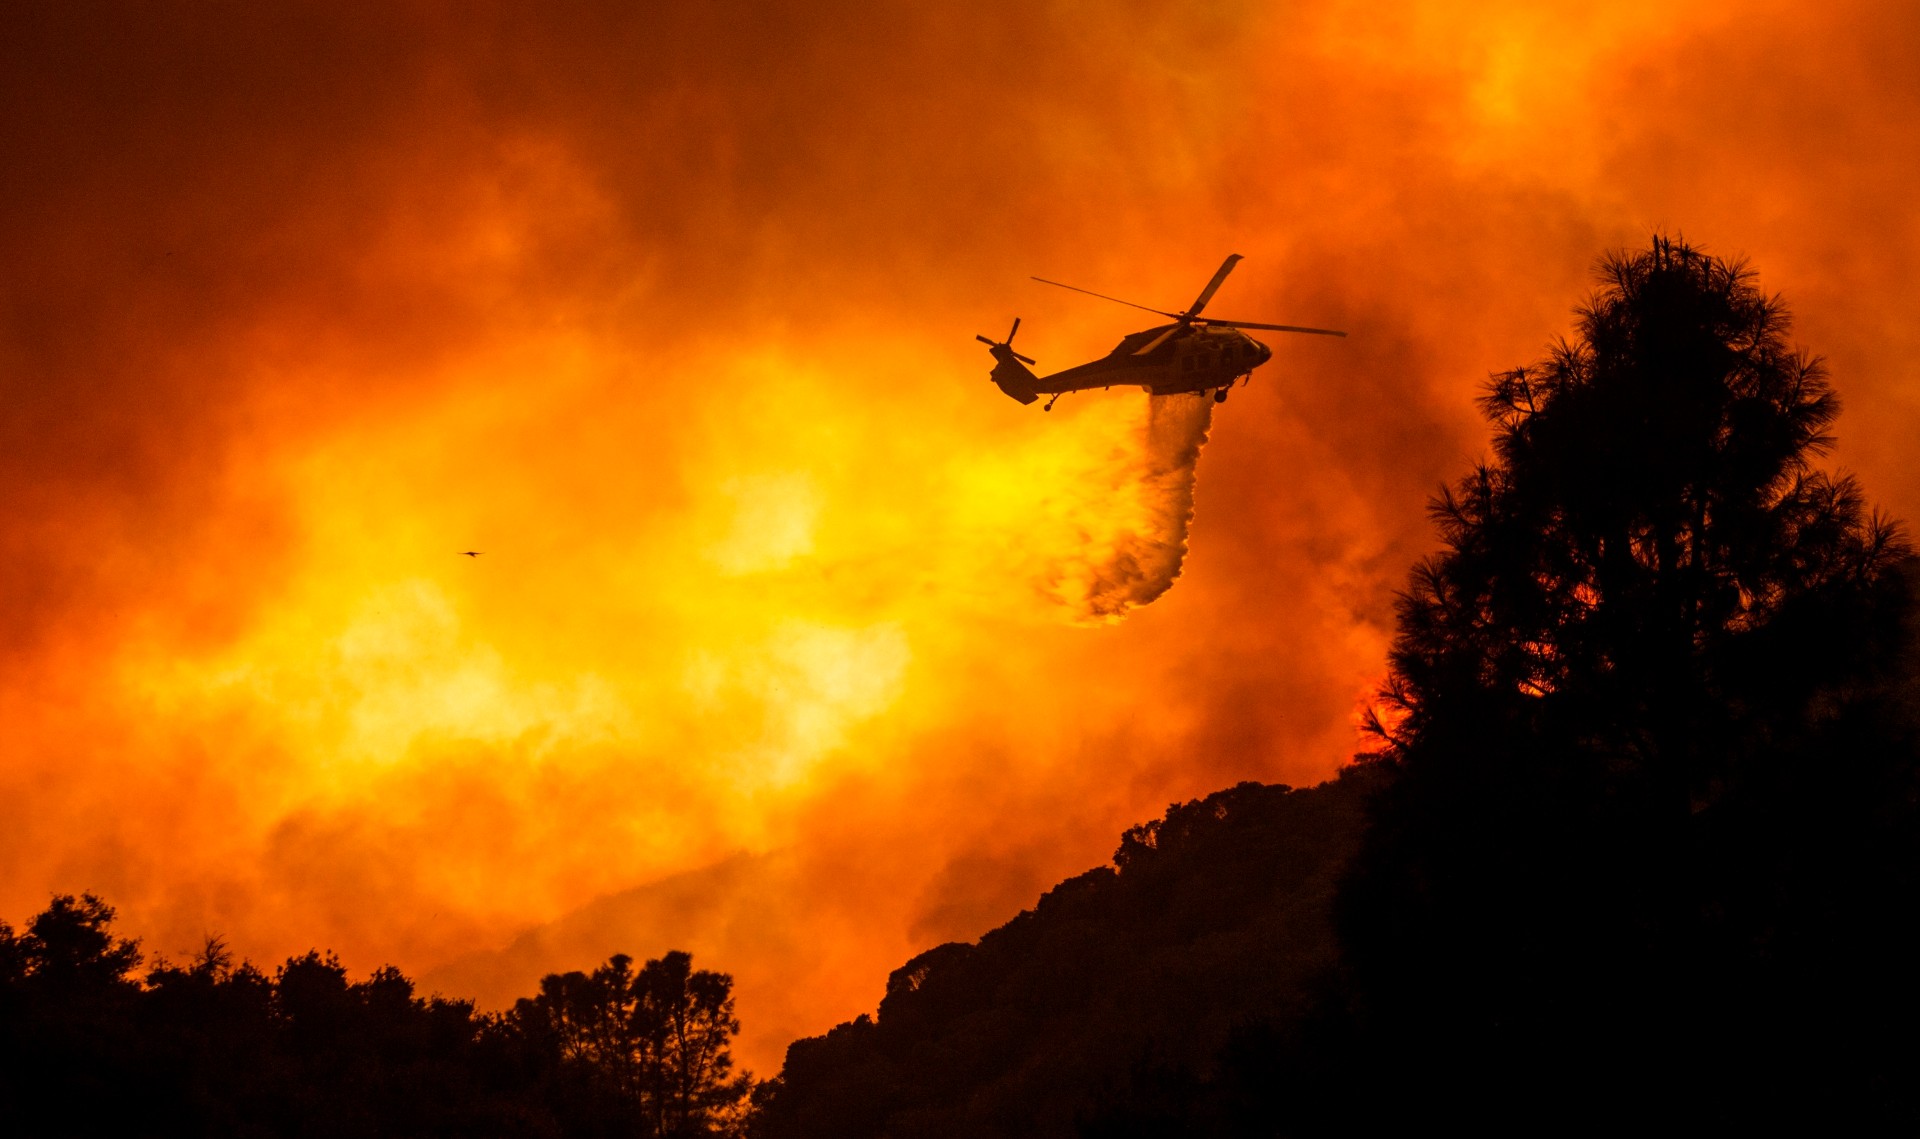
(1130, 564)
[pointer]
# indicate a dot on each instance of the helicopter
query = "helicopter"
(1189, 355)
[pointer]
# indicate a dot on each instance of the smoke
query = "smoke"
(1138, 554)
(668, 308)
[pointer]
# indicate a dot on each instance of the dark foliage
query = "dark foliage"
(1651, 850)
(210, 1048)
(651, 1046)
(1215, 918)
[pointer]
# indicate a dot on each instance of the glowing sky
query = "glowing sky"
(777, 651)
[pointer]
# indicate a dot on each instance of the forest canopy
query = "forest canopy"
(211, 1047)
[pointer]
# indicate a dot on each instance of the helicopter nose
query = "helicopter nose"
(1266, 353)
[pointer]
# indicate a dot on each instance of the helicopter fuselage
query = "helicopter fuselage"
(1196, 358)
(1204, 359)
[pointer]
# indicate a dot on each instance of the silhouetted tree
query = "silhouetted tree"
(1651, 503)
(69, 949)
(64, 1013)
(1645, 722)
(214, 1048)
(648, 1053)
(686, 1029)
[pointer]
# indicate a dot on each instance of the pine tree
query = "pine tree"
(1644, 717)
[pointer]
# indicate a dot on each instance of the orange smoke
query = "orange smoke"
(791, 641)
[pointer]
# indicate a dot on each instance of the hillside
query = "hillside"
(1213, 917)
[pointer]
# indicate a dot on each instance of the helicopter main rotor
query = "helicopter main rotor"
(1183, 321)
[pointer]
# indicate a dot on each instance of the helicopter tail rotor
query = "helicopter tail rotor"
(1008, 344)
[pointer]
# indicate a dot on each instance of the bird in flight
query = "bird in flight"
(471, 553)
